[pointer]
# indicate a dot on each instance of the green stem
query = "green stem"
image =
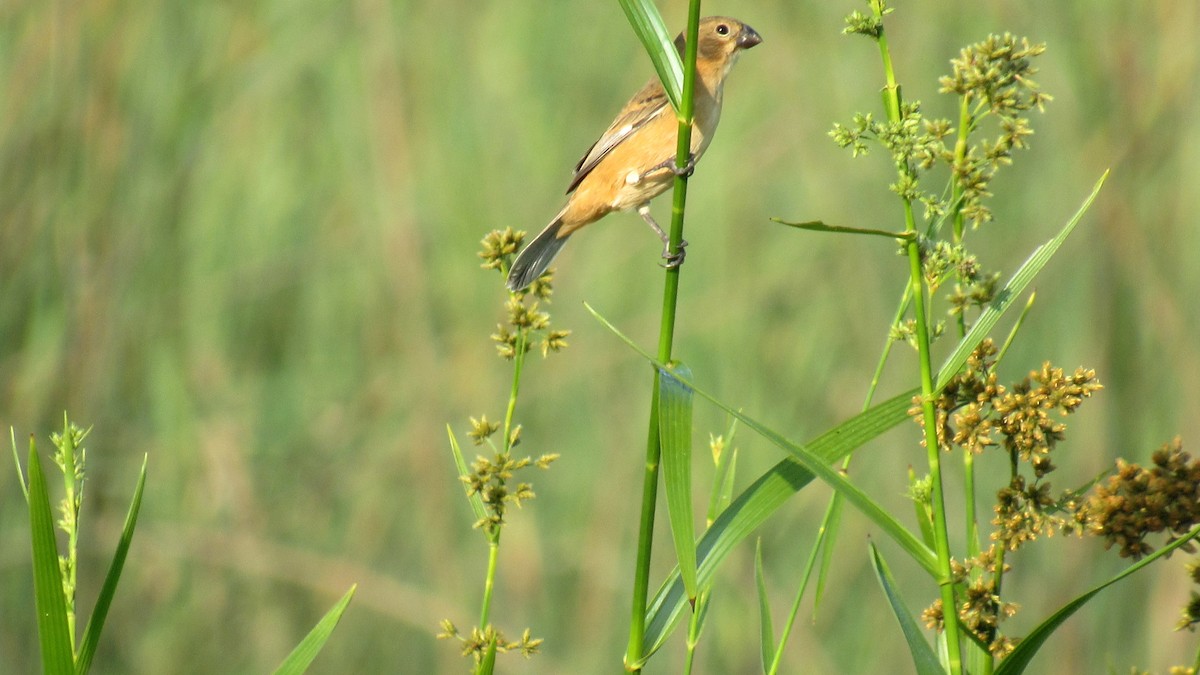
(933, 452)
(489, 583)
(694, 627)
(666, 336)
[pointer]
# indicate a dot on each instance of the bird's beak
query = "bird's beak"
(748, 38)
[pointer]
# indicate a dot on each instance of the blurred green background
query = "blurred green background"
(240, 237)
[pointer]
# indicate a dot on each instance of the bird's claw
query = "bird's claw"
(674, 258)
(687, 170)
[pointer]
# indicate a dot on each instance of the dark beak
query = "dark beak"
(748, 38)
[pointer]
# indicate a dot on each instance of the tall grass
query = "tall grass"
(240, 237)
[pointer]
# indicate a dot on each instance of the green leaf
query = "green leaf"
(1019, 659)
(675, 438)
(12, 437)
(474, 498)
(819, 466)
(488, 665)
(95, 625)
(761, 499)
(923, 657)
(1007, 295)
(648, 24)
(58, 654)
(825, 540)
(766, 630)
(302, 656)
(818, 226)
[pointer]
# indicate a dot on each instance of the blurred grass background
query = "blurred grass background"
(240, 237)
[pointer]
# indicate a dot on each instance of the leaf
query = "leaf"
(58, 654)
(95, 625)
(474, 498)
(648, 24)
(302, 656)
(757, 502)
(924, 659)
(1019, 659)
(1007, 295)
(766, 631)
(819, 466)
(825, 540)
(818, 226)
(675, 437)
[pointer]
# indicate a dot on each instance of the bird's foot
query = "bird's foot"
(674, 258)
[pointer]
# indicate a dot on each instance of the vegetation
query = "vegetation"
(238, 241)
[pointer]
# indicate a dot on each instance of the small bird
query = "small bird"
(634, 160)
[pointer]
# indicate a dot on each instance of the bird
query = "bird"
(634, 159)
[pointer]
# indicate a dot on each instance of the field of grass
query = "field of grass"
(240, 237)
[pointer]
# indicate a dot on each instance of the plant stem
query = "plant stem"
(489, 582)
(933, 451)
(666, 336)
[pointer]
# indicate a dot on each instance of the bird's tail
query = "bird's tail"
(536, 256)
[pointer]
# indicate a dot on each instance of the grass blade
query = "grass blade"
(648, 24)
(675, 436)
(757, 502)
(925, 661)
(766, 630)
(304, 653)
(463, 472)
(95, 625)
(1007, 295)
(58, 654)
(1019, 659)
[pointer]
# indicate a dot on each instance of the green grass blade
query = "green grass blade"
(826, 538)
(12, 437)
(58, 654)
(95, 625)
(463, 471)
(761, 499)
(302, 656)
(820, 467)
(675, 436)
(766, 629)
(924, 659)
(818, 226)
(1019, 659)
(648, 24)
(488, 665)
(1008, 295)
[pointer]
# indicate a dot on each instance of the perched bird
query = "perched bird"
(634, 160)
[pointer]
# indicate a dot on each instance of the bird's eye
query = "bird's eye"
(722, 29)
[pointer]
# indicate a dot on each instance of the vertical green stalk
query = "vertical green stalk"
(489, 583)
(891, 96)
(666, 336)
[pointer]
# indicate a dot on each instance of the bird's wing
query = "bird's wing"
(643, 107)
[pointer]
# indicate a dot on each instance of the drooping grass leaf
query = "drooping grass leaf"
(924, 659)
(757, 503)
(1028, 647)
(648, 24)
(675, 437)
